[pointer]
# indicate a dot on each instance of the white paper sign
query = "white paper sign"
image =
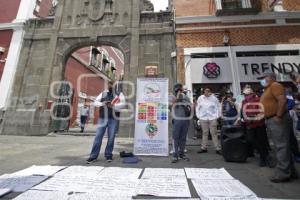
(209, 189)
(206, 174)
(4, 191)
(43, 195)
(46, 170)
(164, 187)
(100, 196)
(151, 124)
(89, 184)
(90, 171)
(120, 173)
(20, 183)
(163, 173)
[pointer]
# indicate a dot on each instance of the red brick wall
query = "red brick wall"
(5, 39)
(8, 10)
(291, 5)
(193, 7)
(90, 86)
(45, 6)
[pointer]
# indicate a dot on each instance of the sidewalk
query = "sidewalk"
(21, 152)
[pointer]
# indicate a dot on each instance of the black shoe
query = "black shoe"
(109, 159)
(202, 151)
(183, 157)
(294, 175)
(219, 152)
(279, 179)
(91, 160)
(262, 162)
(174, 160)
(270, 162)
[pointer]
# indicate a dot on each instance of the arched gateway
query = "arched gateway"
(144, 37)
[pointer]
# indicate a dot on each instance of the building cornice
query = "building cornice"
(221, 28)
(238, 18)
(12, 26)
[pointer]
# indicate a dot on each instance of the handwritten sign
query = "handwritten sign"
(120, 173)
(210, 189)
(90, 171)
(204, 174)
(45, 195)
(163, 173)
(177, 187)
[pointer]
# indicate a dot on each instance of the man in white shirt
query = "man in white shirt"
(110, 106)
(208, 111)
(84, 114)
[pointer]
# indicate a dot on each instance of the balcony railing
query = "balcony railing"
(236, 7)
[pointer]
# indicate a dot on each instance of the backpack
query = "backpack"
(290, 102)
(229, 109)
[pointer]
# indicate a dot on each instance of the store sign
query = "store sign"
(252, 67)
(151, 71)
(211, 70)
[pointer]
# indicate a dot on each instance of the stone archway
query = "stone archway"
(144, 37)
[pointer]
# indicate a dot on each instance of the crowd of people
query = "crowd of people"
(270, 115)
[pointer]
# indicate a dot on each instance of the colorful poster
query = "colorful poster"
(151, 124)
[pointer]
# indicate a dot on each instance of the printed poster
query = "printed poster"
(151, 121)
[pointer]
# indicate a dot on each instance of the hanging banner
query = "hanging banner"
(151, 121)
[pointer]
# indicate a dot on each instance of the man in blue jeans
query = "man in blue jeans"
(110, 105)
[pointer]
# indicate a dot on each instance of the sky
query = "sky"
(160, 4)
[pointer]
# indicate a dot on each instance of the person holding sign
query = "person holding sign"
(181, 110)
(110, 105)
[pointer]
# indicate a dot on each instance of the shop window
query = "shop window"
(267, 53)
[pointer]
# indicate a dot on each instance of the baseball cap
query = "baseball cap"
(269, 74)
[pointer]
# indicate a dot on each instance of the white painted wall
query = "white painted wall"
(25, 12)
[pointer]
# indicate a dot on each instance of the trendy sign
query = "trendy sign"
(252, 67)
(151, 124)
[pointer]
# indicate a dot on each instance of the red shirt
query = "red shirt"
(251, 108)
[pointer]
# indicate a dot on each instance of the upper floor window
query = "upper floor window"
(236, 7)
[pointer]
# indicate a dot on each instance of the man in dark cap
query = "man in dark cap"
(279, 123)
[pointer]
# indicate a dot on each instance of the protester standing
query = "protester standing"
(229, 110)
(256, 134)
(279, 123)
(208, 111)
(181, 111)
(110, 105)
